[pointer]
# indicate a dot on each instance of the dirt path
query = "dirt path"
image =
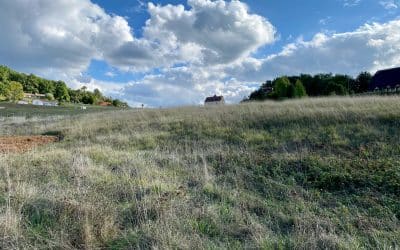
(16, 144)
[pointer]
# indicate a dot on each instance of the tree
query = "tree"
(258, 95)
(281, 88)
(362, 82)
(15, 91)
(334, 88)
(290, 91)
(46, 86)
(343, 80)
(4, 74)
(118, 103)
(4, 91)
(98, 94)
(88, 98)
(32, 84)
(61, 92)
(18, 77)
(299, 90)
(74, 95)
(50, 96)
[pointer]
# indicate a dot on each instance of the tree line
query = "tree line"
(311, 85)
(13, 85)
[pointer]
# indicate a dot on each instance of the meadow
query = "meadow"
(315, 173)
(31, 111)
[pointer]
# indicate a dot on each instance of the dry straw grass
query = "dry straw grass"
(304, 174)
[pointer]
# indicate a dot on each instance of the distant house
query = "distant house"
(50, 104)
(23, 102)
(214, 100)
(37, 102)
(385, 80)
(105, 104)
(267, 87)
(29, 95)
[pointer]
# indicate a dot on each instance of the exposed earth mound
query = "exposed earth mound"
(16, 144)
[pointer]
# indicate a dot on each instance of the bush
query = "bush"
(50, 96)
(335, 89)
(299, 90)
(281, 87)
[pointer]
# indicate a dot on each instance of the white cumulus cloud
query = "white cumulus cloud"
(63, 35)
(204, 49)
(370, 47)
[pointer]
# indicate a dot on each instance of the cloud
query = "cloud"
(58, 39)
(221, 32)
(209, 32)
(110, 74)
(64, 35)
(389, 4)
(370, 47)
(183, 86)
(324, 21)
(351, 3)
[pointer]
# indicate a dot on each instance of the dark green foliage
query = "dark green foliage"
(61, 92)
(317, 85)
(87, 99)
(118, 103)
(299, 90)
(362, 82)
(15, 91)
(281, 87)
(290, 91)
(264, 92)
(333, 88)
(57, 89)
(4, 73)
(4, 90)
(31, 85)
(46, 86)
(50, 96)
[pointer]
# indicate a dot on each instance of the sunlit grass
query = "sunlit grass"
(312, 173)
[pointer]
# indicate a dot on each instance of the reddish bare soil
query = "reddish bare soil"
(17, 144)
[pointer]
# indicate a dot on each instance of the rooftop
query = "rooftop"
(214, 98)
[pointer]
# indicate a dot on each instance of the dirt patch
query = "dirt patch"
(18, 144)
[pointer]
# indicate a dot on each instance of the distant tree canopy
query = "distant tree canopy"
(282, 87)
(299, 90)
(312, 85)
(15, 91)
(13, 85)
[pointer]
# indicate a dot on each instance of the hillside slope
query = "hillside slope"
(313, 173)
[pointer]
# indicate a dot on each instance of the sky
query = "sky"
(166, 53)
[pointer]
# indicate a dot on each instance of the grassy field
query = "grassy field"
(30, 111)
(306, 174)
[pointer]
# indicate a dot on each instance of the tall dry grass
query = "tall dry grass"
(307, 174)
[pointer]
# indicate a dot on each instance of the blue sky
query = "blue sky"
(292, 19)
(176, 52)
